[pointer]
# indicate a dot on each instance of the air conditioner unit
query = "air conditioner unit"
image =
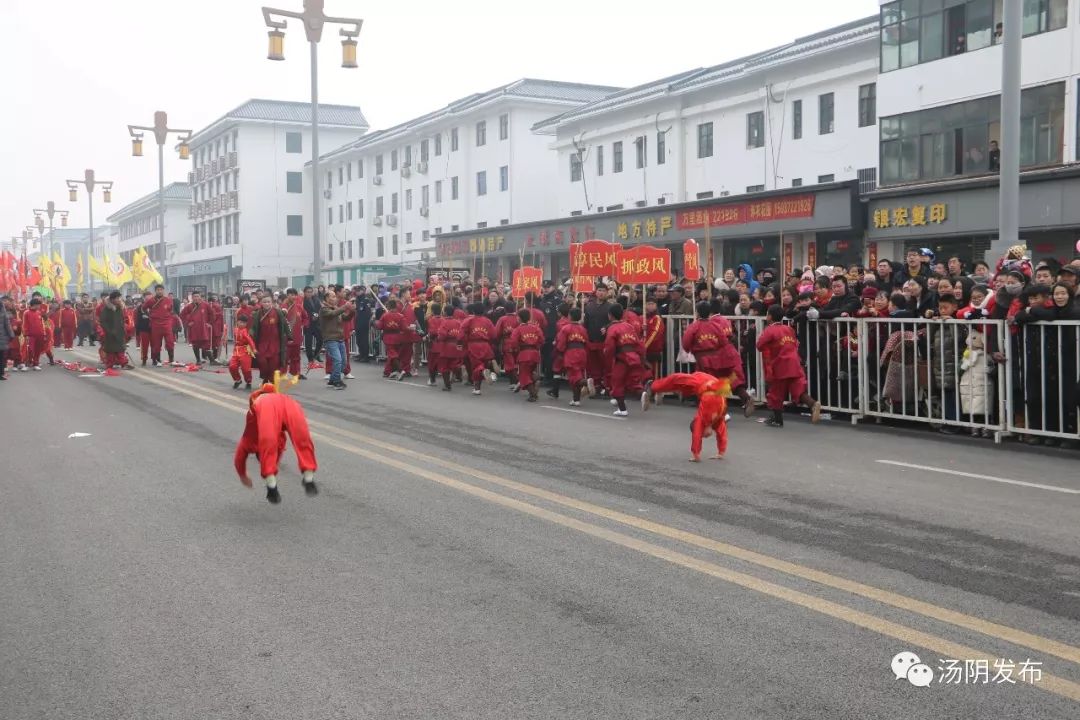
(377, 220)
(424, 211)
(377, 180)
(406, 171)
(422, 167)
(391, 220)
(328, 193)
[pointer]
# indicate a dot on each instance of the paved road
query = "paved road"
(486, 558)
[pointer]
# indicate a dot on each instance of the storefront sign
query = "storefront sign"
(643, 264)
(871, 255)
(208, 267)
(789, 258)
(910, 215)
(595, 258)
(526, 279)
(691, 260)
(781, 208)
(811, 253)
(470, 246)
(248, 287)
(651, 227)
(186, 291)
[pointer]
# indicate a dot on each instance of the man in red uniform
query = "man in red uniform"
(33, 329)
(784, 374)
(160, 310)
(711, 393)
(268, 329)
(69, 322)
(243, 353)
(197, 318)
(504, 327)
(451, 348)
(217, 328)
(625, 350)
(557, 367)
(433, 359)
(570, 344)
(409, 335)
(48, 320)
(479, 333)
(394, 335)
(526, 342)
(270, 416)
(297, 319)
(17, 349)
(655, 338)
(731, 365)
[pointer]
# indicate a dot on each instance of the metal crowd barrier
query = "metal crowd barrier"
(744, 333)
(1042, 386)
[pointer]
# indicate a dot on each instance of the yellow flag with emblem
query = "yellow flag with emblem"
(119, 272)
(61, 273)
(98, 269)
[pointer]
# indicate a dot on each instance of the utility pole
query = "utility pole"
(1009, 177)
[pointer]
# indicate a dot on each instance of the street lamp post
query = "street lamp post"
(161, 132)
(314, 20)
(89, 181)
(1009, 165)
(51, 211)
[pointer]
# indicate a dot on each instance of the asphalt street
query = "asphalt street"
(484, 557)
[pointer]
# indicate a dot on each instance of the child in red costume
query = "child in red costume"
(711, 393)
(243, 353)
(784, 375)
(272, 414)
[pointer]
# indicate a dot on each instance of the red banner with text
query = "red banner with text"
(781, 208)
(643, 264)
(691, 254)
(526, 279)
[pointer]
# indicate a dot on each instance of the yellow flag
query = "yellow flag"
(46, 270)
(98, 268)
(80, 270)
(142, 266)
(62, 274)
(119, 272)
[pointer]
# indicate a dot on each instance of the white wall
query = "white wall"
(177, 231)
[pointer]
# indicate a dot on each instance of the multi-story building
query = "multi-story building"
(761, 157)
(473, 164)
(940, 128)
(249, 208)
(136, 225)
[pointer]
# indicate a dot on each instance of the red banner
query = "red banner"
(811, 254)
(643, 264)
(594, 258)
(581, 283)
(871, 255)
(691, 257)
(526, 279)
(781, 208)
(789, 258)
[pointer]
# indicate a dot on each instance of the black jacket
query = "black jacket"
(596, 319)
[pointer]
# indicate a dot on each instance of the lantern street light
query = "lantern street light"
(51, 211)
(161, 132)
(89, 181)
(314, 20)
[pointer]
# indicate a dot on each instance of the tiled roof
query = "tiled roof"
(549, 91)
(173, 191)
(299, 112)
(703, 77)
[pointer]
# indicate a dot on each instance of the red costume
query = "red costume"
(269, 417)
(394, 335)
(33, 329)
(268, 330)
(712, 406)
(433, 324)
(409, 337)
(570, 344)
(197, 318)
(503, 329)
(479, 334)
(450, 350)
(784, 374)
(297, 319)
(655, 339)
(69, 323)
(246, 312)
(706, 341)
(243, 353)
(625, 351)
(217, 327)
(160, 310)
(525, 343)
(730, 361)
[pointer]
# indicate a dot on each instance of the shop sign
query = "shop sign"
(911, 216)
(208, 267)
(871, 255)
(526, 279)
(789, 258)
(811, 253)
(470, 246)
(643, 264)
(782, 208)
(651, 227)
(248, 287)
(691, 260)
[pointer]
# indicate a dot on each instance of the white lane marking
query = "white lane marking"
(404, 383)
(581, 412)
(990, 478)
(78, 435)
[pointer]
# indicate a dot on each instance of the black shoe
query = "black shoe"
(310, 488)
(273, 495)
(236, 385)
(247, 386)
(553, 394)
(340, 386)
(777, 419)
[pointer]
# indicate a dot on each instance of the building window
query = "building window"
(481, 225)
(393, 245)
(453, 228)
(378, 164)
(329, 216)
(379, 206)
(348, 172)
(393, 203)
(438, 231)
(408, 199)
(796, 182)
(329, 178)
(424, 150)
(408, 155)
(438, 191)
(755, 188)
(504, 221)
(481, 133)
(575, 167)
(393, 159)
(504, 178)
(867, 104)
(360, 248)
(454, 188)
(661, 147)
(867, 180)
(341, 213)
(380, 248)
(616, 157)
(330, 252)
(425, 236)
(294, 225)
(425, 196)
(438, 145)
(481, 182)
(360, 208)
(294, 142)
(704, 195)
(960, 139)
(599, 159)
(825, 113)
(704, 140)
(504, 126)
(341, 249)
(348, 210)
(348, 246)
(796, 119)
(360, 169)
(341, 176)
(640, 151)
(408, 238)
(822, 179)
(294, 182)
(755, 129)
(453, 139)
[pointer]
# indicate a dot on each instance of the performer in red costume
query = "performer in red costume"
(711, 393)
(243, 353)
(570, 344)
(525, 342)
(625, 351)
(270, 416)
(160, 310)
(68, 322)
(297, 320)
(479, 333)
(197, 317)
(268, 329)
(784, 373)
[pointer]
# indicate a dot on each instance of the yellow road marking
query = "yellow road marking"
(986, 627)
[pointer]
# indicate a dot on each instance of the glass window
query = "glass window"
(890, 48)
(424, 150)
(481, 133)
(504, 178)
(453, 140)
(294, 225)
(640, 152)
(294, 142)
(826, 178)
(360, 208)
(932, 38)
(826, 112)
(438, 145)
(294, 182)
(504, 126)
(661, 147)
(380, 243)
(330, 216)
(379, 205)
(348, 210)
(909, 43)
(408, 154)
(616, 157)
(425, 196)
(755, 129)
(481, 182)
(393, 159)
(330, 252)
(980, 24)
(599, 159)
(393, 202)
(575, 167)
(341, 175)
(796, 119)
(408, 238)
(454, 188)
(360, 168)
(378, 165)
(408, 199)
(705, 140)
(438, 191)
(341, 213)
(394, 245)
(360, 248)
(867, 104)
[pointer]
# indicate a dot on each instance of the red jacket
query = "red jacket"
(623, 344)
(33, 326)
(571, 344)
(654, 335)
(69, 319)
(525, 342)
(160, 311)
(392, 325)
(198, 321)
(779, 349)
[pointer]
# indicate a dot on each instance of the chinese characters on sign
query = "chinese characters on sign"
(595, 258)
(632, 230)
(548, 238)
(988, 672)
(914, 216)
(691, 260)
(871, 255)
(582, 283)
(471, 246)
(811, 253)
(643, 264)
(526, 279)
(789, 258)
(784, 208)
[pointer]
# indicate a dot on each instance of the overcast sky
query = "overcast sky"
(76, 72)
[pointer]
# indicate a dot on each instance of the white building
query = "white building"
(940, 95)
(472, 164)
(136, 225)
(249, 207)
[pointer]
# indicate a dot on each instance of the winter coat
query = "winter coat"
(977, 382)
(7, 334)
(946, 347)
